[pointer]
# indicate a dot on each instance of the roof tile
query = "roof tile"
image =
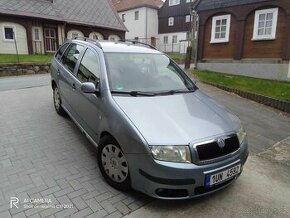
(72, 11)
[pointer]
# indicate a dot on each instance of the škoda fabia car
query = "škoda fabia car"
(155, 131)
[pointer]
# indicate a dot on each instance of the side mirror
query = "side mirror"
(89, 87)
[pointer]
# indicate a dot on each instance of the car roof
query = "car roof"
(120, 47)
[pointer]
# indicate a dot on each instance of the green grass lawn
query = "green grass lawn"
(10, 58)
(271, 88)
(176, 55)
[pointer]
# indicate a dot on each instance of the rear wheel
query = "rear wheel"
(57, 102)
(113, 163)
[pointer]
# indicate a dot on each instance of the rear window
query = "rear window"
(61, 51)
(71, 55)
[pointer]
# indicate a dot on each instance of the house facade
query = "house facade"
(41, 26)
(250, 37)
(175, 25)
(140, 17)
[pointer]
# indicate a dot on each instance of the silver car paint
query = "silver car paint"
(137, 122)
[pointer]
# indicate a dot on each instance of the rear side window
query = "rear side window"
(61, 51)
(89, 69)
(71, 55)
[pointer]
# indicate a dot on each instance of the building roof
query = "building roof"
(124, 5)
(85, 12)
(203, 5)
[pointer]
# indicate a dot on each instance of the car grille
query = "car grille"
(212, 150)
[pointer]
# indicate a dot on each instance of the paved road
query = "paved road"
(261, 191)
(44, 155)
(21, 82)
(265, 126)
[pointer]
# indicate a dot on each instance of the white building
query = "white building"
(140, 17)
(175, 26)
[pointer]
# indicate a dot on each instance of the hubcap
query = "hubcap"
(56, 98)
(114, 163)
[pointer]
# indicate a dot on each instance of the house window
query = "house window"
(174, 39)
(187, 18)
(188, 35)
(165, 39)
(136, 15)
(171, 21)
(174, 2)
(220, 31)
(74, 34)
(9, 33)
(36, 34)
(187, 1)
(265, 24)
(123, 17)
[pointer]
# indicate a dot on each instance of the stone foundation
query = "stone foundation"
(23, 69)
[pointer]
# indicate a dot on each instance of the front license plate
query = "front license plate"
(222, 176)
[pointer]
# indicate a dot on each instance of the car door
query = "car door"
(66, 73)
(88, 105)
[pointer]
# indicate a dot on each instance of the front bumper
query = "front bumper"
(168, 180)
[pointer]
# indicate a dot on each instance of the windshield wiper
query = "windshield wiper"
(134, 93)
(172, 92)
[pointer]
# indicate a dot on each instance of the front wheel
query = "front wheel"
(57, 102)
(113, 163)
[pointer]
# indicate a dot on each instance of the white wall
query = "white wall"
(137, 28)
(180, 46)
(8, 47)
(61, 34)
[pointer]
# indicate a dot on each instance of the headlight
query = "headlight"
(171, 153)
(241, 134)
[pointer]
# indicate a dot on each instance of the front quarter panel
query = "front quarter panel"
(115, 122)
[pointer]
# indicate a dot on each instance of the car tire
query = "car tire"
(57, 102)
(113, 164)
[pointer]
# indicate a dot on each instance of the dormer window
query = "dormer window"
(171, 21)
(174, 2)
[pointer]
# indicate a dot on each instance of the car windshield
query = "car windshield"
(145, 73)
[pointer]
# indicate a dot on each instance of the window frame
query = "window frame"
(65, 45)
(136, 15)
(174, 36)
(170, 19)
(167, 40)
(33, 34)
(213, 29)
(188, 18)
(14, 31)
(73, 71)
(80, 61)
(275, 12)
(123, 18)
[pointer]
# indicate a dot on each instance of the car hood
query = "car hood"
(177, 119)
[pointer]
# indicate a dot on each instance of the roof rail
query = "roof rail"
(89, 39)
(137, 42)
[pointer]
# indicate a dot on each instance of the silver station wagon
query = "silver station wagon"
(155, 131)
